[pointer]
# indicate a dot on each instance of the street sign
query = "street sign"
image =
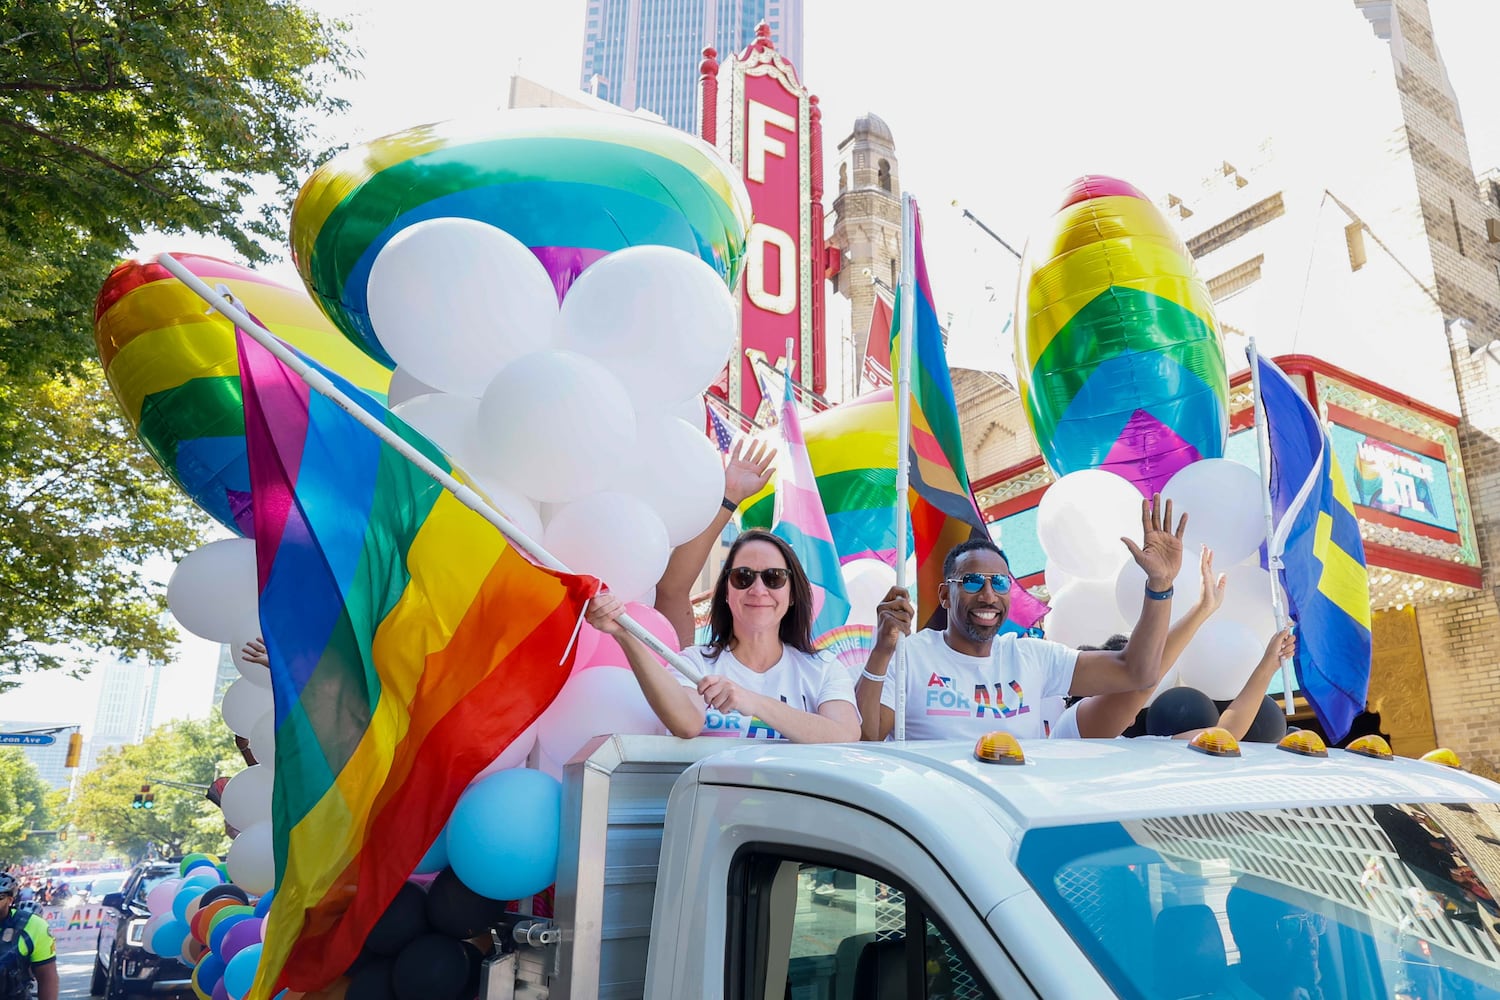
(27, 739)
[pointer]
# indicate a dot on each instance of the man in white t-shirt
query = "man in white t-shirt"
(969, 680)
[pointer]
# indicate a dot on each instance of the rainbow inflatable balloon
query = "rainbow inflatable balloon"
(174, 370)
(572, 185)
(1119, 357)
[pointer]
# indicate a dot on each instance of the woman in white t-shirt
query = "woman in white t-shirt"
(762, 677)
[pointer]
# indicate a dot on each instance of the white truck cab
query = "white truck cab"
(1098, 868)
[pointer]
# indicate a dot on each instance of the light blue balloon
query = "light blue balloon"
(504, 833)
(436, 858)
(184, 898)
(167, 941)
(263, 905)
(240, 972)
(204, 877)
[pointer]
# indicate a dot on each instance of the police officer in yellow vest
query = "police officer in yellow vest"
(26, 948)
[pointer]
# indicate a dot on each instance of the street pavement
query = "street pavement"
(74, 969)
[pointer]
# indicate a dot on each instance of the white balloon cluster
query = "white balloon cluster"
(569, 419)
(1096, 587)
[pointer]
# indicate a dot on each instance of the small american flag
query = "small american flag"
(723, 436)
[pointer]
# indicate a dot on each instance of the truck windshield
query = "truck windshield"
(1389, 901)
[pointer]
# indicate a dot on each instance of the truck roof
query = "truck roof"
(1083, 781)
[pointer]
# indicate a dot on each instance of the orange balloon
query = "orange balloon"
(198, 923)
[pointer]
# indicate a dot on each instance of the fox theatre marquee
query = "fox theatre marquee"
(765, 122)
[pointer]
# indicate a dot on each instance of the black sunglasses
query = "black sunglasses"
(743, 577)
(973, 583)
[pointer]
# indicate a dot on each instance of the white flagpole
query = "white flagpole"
(320, 383)
(1273, 553)
(903, 430)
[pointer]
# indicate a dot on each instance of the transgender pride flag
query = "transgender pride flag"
(801, 521)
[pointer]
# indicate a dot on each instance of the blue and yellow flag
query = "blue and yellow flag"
(1322, 571)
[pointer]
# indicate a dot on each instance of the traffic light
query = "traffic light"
(75, 750)
(144, 799)
(62, 835)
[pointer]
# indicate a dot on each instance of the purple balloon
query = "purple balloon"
(220, 993)
(240, 936)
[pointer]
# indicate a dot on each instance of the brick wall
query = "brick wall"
(1460, 640)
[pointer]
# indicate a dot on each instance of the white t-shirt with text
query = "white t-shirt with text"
(953, 696)
(801, 680)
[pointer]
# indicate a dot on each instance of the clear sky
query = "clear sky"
(993, 103)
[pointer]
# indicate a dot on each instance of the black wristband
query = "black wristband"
(729, 505)
(1159, 595)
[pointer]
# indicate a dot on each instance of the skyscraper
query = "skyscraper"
(646, 53)
(127, 707)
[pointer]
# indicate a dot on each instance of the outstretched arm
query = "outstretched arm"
(1240, 714)
(678, 707)
(748, 471)
(1138, 665)
(1105, 716)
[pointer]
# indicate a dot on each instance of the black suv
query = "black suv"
(122, 965)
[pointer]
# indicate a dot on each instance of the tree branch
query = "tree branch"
(86, 153)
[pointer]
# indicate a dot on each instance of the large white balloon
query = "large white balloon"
(1220, 658)
(251, 863)
(866, 582)
(1247, 600)
(555, 425)
(454, 300)
(1084, 614)
(263, 741)
(403, 387)
(1222, 499)
(520, 509)
(448, 421)
(1082, 518)
(247, 798)
(256, 673)
(244, 704)
(678, 472)
(214, 592)
(613, 536)
(658, 317)
(1130, 589)
(579, 711)
(694, 410)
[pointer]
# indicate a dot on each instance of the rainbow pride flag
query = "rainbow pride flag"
(943, 510)
(802, 523)
(852, 450)
(409, 644)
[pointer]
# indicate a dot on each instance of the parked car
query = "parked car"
(123, 967)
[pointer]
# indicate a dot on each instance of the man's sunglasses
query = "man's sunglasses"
(743, 577)
(973, 583)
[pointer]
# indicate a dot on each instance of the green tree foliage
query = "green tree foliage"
(183, 820)
(23, 797)
(82, 510)
(119, 117)
(122, 116)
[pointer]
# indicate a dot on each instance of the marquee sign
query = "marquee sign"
(767, 125)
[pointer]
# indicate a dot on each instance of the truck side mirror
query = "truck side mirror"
(114, 900)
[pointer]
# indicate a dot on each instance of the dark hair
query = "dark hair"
(796, 624)
(1113, 644)
(976, 544)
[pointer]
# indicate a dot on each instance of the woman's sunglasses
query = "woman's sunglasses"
(743, 577)
(973, 583)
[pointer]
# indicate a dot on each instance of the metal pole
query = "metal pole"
(903, 428)
(1273, 558)
(993, 235)
(319, 383)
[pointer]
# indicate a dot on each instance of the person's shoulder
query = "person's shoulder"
(36, 923)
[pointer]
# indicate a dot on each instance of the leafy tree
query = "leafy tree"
(119, 117)
(182, 820)
(22, 805)
(82, 509)
(122, 116)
